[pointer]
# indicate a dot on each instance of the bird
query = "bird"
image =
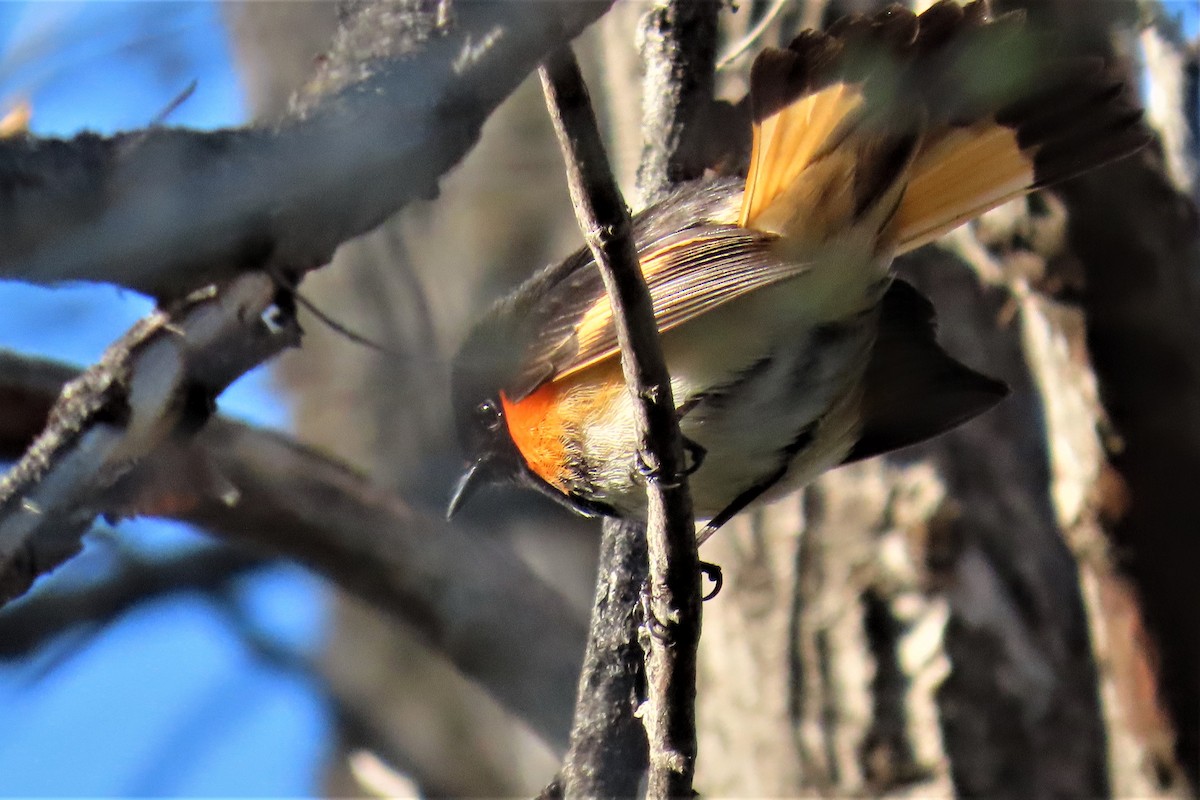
(791, 344)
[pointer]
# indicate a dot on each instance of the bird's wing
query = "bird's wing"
(914, 390)
(688, 273)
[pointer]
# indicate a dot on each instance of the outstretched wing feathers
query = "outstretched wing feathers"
(997, 112)
(688, 273)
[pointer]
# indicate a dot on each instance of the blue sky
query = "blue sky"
(167, 699)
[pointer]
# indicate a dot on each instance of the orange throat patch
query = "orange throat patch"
(537, 428)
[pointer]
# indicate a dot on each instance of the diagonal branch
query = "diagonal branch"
(473, 600)
(671, 543)
(152, 386)
(166, 211)
(133, 581)
(211, 571)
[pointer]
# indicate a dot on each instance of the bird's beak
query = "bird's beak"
(475, 476)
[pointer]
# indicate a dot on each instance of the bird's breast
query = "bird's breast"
(759, 389)
(566, 429)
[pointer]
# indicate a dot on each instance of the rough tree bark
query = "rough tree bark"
(1002, 612)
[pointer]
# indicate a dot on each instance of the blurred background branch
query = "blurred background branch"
(282, 196)
(294, 502)
(30, 624)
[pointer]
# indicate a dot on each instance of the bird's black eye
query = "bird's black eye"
(488, 415)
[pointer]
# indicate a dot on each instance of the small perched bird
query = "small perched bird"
(791, 347)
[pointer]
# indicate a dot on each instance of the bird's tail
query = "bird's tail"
(911, 125)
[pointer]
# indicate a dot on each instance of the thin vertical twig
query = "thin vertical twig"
(674, 606)
(679, 51)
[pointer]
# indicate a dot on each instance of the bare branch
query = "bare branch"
(679, 51)
(608, 757)
(671, 543)
(165, 211)
(153, 384)
(135, 580)
(473, 600)
(732, 55)
(213, 571)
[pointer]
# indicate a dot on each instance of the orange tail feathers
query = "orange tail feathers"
(922, 123)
